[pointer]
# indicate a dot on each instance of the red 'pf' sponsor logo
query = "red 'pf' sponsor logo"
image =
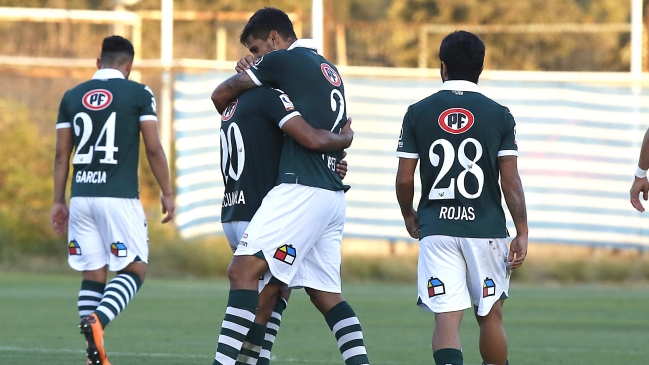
(456, 120)
(330, 74)
(229, 111)
(97, 99)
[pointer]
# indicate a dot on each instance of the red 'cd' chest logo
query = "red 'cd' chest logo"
(97, 99)
(330, 74)
(229, 111)
(456, 120)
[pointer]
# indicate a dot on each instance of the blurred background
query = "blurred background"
(573, 72)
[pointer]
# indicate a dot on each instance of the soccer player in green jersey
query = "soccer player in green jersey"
(102, 120)
(640, 183)
(252, 135)
(465, 142)
(297, 231)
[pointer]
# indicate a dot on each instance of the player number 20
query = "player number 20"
(107, 131)
(470, 166)
(226, 148)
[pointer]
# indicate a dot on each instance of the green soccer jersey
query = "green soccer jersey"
(458, 134)
(104, 115)
(317, 90)
(251, 146)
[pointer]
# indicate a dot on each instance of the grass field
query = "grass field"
(177, 322)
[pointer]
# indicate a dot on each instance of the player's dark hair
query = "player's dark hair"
(116, 51)
(264, 21)
(463, 53)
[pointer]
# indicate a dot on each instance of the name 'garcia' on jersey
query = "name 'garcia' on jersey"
(93, 177)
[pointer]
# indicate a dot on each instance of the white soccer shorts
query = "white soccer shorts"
(106, 231)
(299, 229)
(455, 272)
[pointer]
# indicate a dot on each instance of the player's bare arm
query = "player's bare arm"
(230, 89)
(318, 139)
(158, 162)
(59, 215)
(640, 184)
(515, 199)
(405, 187)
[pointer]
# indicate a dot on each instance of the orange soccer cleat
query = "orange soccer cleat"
(91, 328)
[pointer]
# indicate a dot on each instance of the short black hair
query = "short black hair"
(116, 51)
(463, 53)
(263, 21)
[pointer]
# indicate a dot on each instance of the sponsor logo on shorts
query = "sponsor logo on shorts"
(330, 74)
(435, 287)
(285, 254)
(118, 249)
(456, 120)
(97, 99)
(488, 288)
(74, 248)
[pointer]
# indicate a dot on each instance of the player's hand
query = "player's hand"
(341, 167)
(517, 251)
(347, 131)
(244, 63)
(412, 224)
(168, 207)
(59, 217)
(640, 185)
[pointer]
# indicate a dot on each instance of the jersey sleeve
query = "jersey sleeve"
(508, 145)
(64, 120)
(278, 108)
(147, 104)
(407, 147)
(270, 68)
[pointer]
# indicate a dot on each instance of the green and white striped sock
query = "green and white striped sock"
(271, 331)
(117, 295)
(239, 317)
(347, 328)
(89, 297)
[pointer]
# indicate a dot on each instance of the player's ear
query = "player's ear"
(443, 71)
(98, 63)
(273, 38)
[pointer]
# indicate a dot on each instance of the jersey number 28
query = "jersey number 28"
(470, 166)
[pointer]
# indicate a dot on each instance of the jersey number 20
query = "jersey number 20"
(470, 166)
(226, 152)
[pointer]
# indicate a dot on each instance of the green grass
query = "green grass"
(177, 322)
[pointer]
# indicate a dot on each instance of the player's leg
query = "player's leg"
(273, 323)
(442, 289)
(447, 347)
(486, 261)
(493, 342)
(86, 253)
(321, 280)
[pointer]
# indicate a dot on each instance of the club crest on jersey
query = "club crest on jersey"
(488, 288)
(456, 120)
(288, 104)
(118, 249)
(435, 287)
(74, 248)
(229, 111)
(97, 99)
(330, 74)
(285, 254)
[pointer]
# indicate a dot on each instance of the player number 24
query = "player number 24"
(107, 131)
(470, 166)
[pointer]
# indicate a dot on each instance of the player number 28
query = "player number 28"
(107, 131)
(470, 166)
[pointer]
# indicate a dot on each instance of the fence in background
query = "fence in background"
(578, 144)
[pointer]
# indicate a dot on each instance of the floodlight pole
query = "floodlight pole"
(636, 39)
(166, 58)
(317, 24)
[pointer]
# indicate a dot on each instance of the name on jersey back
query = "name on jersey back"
(92, 177)
(459, 213)
(233, 198)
